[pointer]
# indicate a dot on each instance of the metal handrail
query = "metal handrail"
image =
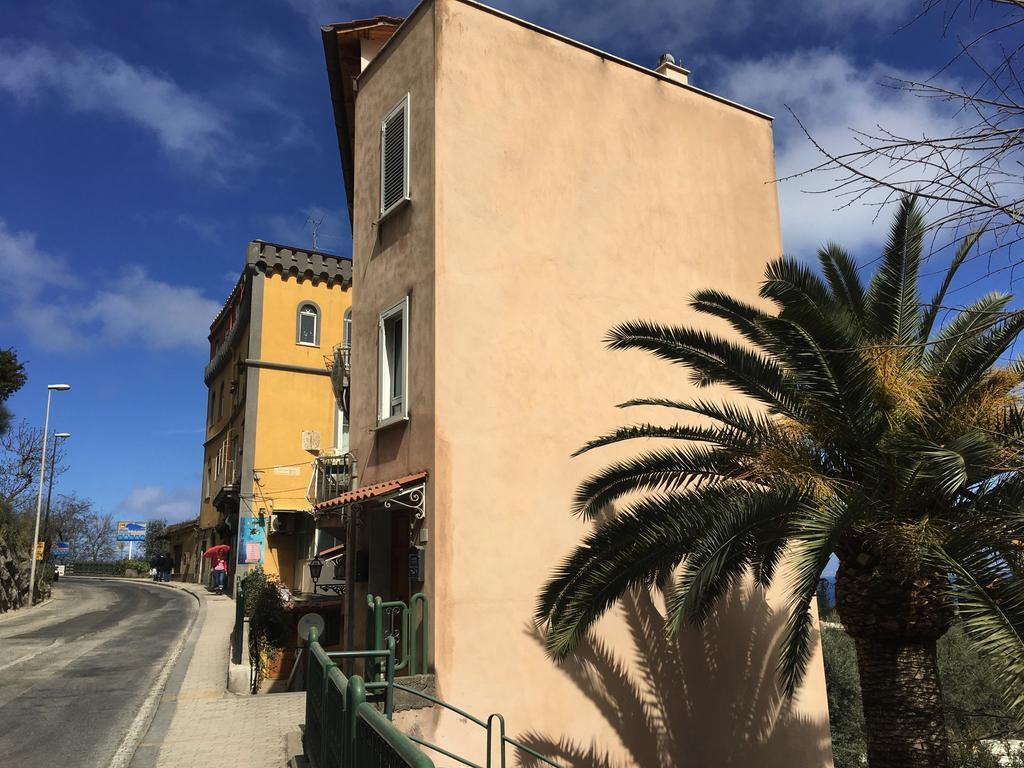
(407, 631)
(362, 735)
(487, 725)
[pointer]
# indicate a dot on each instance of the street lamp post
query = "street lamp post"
(49, 488)
(50, 389)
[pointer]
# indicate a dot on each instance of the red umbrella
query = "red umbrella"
(219, 549)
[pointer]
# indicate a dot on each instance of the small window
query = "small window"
(393, 365)
(394, 158)
(346, 331)
(309, 325)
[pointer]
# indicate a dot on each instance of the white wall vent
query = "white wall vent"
(394, 157)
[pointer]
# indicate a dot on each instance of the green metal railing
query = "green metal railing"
(343, 729)
(238, 632)
(494, 727)
(342, 723)
(398, 621)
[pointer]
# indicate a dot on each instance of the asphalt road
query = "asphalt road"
(74, 673)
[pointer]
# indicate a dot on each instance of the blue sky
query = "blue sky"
(145, 143)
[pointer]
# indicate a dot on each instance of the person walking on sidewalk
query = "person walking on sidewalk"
(220, 571)
(165, 566)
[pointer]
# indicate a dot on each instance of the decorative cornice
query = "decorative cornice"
(273, 258)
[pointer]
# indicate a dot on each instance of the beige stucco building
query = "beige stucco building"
(532, 193)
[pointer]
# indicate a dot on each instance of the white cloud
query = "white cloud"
(189, 128)
(150, 502)
(831, 95)
(157, 314)
(54, 309)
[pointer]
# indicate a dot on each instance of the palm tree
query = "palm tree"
(874, 432)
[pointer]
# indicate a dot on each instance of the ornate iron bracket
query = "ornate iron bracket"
(413, 500)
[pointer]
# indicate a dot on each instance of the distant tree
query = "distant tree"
(69, 522)
(20, 451)
(12, 378)
(97, 536)
(155, 545)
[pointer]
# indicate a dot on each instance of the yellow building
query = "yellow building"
(513, 195)
(271, 410)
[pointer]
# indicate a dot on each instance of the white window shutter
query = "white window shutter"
(394, 157)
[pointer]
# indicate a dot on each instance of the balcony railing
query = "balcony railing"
(340, 366)
(332, 476)
(226, 483)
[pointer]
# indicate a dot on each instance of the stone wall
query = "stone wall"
(14, 573)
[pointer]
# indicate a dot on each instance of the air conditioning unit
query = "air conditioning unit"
(311, 440)
(282, 524)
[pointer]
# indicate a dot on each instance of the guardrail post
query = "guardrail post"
(236, 649)
(424, 603)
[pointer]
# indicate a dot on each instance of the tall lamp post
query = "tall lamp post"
(49, 488)
(50, 389)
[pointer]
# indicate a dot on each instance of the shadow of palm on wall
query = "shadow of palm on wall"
(703, 698)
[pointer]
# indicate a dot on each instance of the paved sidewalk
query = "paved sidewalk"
(199, 722)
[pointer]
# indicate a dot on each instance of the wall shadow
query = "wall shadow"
(704, 698)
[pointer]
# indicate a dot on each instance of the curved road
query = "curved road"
(75, 672)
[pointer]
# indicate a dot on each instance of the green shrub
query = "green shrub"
(268, 626)
(137, 565)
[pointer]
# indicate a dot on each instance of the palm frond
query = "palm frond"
(721, 555)
(970, 363)
(970, 323)
(932, 312)
(710, 435)
(892, 299)
(660, 470)
(816, 531)
(713, 360)
(840, 270)
(744, 318)
(740, 419)
(990, 602)
(799, 292)
(630, 550)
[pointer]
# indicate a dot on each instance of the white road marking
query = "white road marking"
(29, 656)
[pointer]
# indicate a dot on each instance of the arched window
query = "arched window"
(309, 325)
(346, 334)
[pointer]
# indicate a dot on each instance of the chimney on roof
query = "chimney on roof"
(667, 67)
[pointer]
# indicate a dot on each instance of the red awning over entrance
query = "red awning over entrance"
(371, 491)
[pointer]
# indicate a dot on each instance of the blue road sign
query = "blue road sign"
(61, 549)
(129, 531)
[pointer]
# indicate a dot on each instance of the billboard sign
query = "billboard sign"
(61, 549)
(129, 531)
(251, 540)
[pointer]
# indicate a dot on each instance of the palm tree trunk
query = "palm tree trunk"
(902, 697)
(895, 618)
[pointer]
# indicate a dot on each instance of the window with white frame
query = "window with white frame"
(394, 157)
(346, 331)
(309, 325)
(393, 363)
